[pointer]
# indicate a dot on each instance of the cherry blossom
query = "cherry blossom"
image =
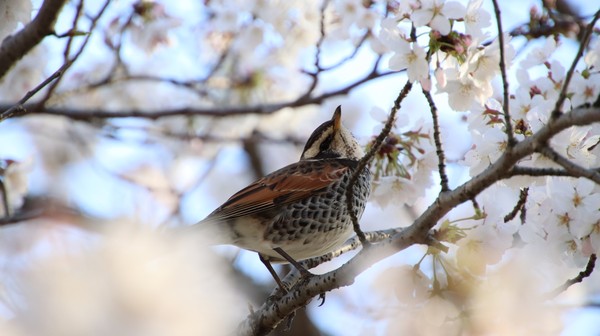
(411, 58)
(592, 57)
(437, 14)
(476, 19)
(540, 54)
(463, 92)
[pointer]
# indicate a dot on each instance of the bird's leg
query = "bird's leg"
(273, 273)
(303, 272)
(305, 275)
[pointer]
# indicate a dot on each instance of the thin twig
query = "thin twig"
(574, 169)
(66, 61)
(217, 112)
(439, 150)
(563, 92)
(519, 206)
(350, 56)
(18, 108)
(589, 268)
(319, 45)
(362, 164)
(540, 172)
(505, 104)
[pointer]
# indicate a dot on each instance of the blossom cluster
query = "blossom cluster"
(449, 45)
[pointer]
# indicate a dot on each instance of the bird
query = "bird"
(299, 211)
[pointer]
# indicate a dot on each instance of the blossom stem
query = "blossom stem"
(571, 167)
(584, 43)
(505, 103)
(438, 142)
(362, 164)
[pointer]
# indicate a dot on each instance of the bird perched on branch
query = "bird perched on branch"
(298, 211)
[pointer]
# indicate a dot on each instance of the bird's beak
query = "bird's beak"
(337, 118)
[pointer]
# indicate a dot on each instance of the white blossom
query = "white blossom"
(488, 145)
(410, 58)
(464, 92)
(540, 54)
(437, 14)
(592, 57)
(584, 90)
(476, 19)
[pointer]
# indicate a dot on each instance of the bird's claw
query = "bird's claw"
(322, 298)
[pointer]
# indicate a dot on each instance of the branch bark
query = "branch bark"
(16, 46)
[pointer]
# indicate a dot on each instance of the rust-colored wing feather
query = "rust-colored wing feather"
(291, 183)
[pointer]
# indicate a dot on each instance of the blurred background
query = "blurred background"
(87, 194)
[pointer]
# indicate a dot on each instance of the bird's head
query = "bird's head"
(332, 140)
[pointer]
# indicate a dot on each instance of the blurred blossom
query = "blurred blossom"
(592, 57)
(155, 180)
(130, 281)
(440, 78)
(436, 316)
(354, 12)
(540, 54)
(408, 284)
(496, 311)
(153, 34)
(27, 73)
(58, 142)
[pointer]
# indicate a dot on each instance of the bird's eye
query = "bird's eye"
(326, 143)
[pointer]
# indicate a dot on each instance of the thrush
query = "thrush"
(298, 211)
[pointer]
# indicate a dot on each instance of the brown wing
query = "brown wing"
(292, 183)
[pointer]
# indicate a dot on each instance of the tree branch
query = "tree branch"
(90, 115)
(18, 109)
(271, 313)
(572, 168)
(16, 46)
(589, 268)
(531, 171)
(520, 204)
